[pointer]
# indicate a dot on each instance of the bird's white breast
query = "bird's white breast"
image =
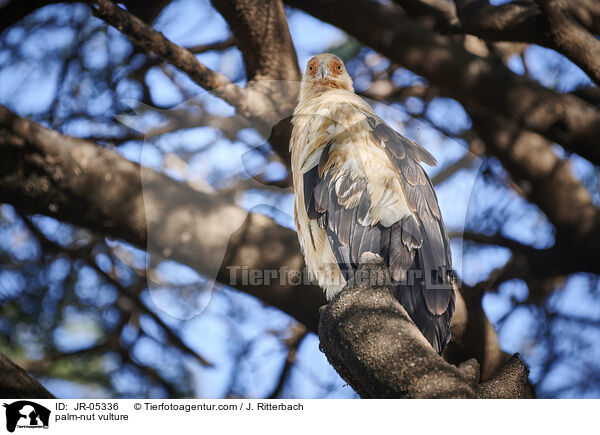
(335, 116)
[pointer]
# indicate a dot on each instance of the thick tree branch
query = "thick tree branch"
(435, 14)
(590, 94)
(572, 39)
(15, 383)
(262, 35)
(555, 24)
(514, 21)
(509, 382)
(521, 21)
(473, 335)
(372, 343)
(545, 179)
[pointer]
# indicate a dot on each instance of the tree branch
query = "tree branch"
(15, 383)
(509, 382)
(515, 22)
(546, 180)
(372, 343)
(262, 35)
(554, 24)
(494, 239)
(142, 35)
(261, 32)
(292, 343)
(87, 257)
(571, 39)
(436, 14)
(14, 11)
(448, 171)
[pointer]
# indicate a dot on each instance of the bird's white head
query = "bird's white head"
(323, 72)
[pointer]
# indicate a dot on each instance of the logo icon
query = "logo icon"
(26, 414)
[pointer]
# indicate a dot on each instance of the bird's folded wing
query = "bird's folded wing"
(337, 195)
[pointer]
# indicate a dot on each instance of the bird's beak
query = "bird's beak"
(323, 72)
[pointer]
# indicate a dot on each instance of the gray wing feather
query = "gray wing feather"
(416, 244)
(435, 252)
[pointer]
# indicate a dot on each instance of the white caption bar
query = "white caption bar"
(143, 416)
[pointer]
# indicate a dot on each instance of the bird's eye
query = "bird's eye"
(310, 68)
(339, 67)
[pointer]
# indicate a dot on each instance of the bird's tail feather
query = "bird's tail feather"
(435, 328)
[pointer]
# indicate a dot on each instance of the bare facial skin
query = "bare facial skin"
(325, 71)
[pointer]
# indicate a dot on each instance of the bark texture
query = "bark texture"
(373, 344)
